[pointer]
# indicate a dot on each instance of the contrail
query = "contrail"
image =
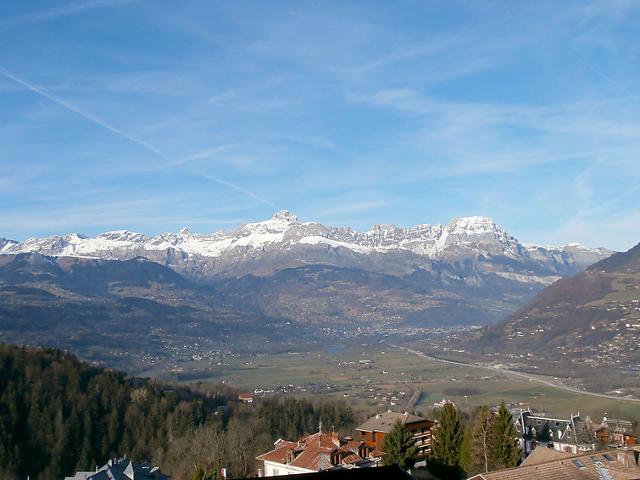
(87, 116)
(235, 187)
(98, 121)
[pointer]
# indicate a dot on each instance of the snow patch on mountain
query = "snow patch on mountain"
(467, 237)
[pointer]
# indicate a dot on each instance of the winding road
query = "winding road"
(531, 378)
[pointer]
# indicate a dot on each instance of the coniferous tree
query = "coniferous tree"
(447, 440)
(399, 447)
(466, 460)
(504, 439)
(59, 415)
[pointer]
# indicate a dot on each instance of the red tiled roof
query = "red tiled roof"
(313, 452)
(280, 453)
(376, 453)
(352, 446)
(314, 457)
(349, 459)
(327, 440)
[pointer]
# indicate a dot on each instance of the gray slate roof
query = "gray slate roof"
(123, 469)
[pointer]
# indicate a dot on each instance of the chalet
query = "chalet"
(372, 431)
(122, 469)
(570, 435)
(245, 397)
(618, 432)
(316, 453)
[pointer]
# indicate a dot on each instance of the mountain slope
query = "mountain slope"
(61, 415)
(591, 319)
(468, 272)
(132, 313)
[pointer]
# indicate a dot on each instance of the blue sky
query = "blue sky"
(154, 115)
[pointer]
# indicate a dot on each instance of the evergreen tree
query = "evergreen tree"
(446, 445)
(504, 439)
(399, 447)
(466, 460)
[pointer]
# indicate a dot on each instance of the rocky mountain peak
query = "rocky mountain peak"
(284, 235)
(285, 216)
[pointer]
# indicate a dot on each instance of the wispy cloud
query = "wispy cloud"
(408, 113)
(235, 187)
(204, 154)
(102, 123)
(72, 108)
(65, 10)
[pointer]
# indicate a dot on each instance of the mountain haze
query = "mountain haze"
(129, 312)
(591, 319)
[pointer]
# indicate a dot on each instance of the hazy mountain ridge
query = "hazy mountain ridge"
(591, 319)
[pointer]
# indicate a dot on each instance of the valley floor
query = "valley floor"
(375, 376)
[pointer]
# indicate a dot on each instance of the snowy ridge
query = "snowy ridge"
(467, 237)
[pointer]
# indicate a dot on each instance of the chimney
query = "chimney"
(223, 473)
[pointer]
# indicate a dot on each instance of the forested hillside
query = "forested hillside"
(59, 415)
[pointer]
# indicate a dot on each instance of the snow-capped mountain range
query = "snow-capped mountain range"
(462, 238)
(468, 272)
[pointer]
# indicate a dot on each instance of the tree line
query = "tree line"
(59, 415)
(461, 446)
(480, 443)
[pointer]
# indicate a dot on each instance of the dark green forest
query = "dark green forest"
(59, 415)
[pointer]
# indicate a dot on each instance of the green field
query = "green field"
(368, 376)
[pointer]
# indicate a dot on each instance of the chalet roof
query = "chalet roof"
(543, 454)
(546, 429)
(352, 446)
(593, 466)
(280, 453)
(384, 422)
(313, 452)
